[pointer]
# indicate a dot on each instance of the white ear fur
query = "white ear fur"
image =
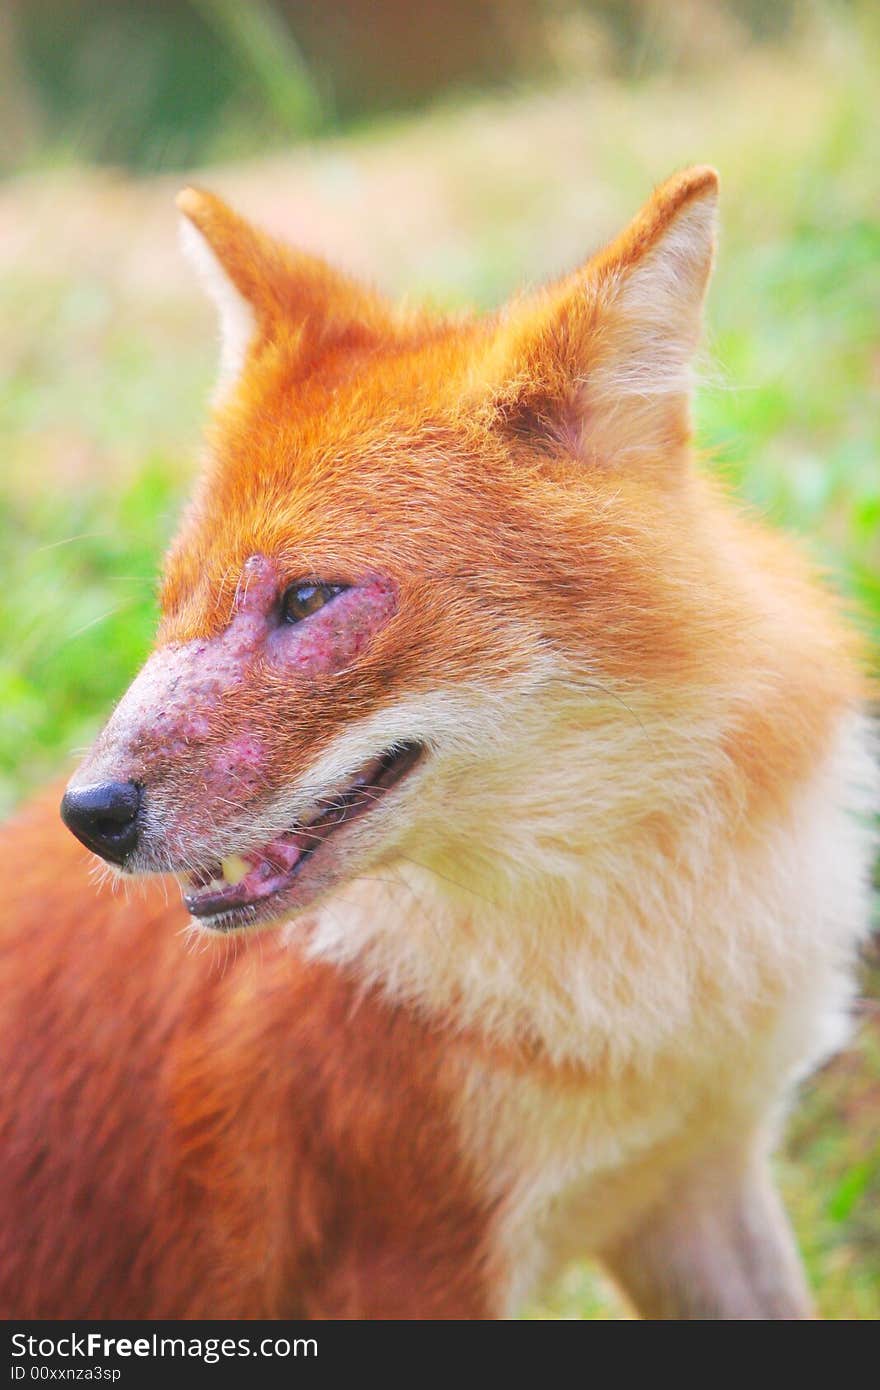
(653, 327)
(661, 300)
(238, 324)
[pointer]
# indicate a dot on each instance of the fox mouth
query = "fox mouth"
(245, 888)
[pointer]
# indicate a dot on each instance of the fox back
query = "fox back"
(545, 764)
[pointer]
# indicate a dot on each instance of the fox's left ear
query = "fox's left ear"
(263, 289)
(600, 364)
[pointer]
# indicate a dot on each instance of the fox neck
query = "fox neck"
(612, 895)
(526, 916)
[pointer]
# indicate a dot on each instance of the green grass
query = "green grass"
(108, 370)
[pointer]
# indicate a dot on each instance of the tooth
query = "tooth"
(234, 869)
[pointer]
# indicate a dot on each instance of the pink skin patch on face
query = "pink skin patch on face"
(238, 764)
(336, 635)
(324, 643)
(198, 729)
(179, 700)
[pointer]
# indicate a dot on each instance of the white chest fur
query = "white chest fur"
(752, 994)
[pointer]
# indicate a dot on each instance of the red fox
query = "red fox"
(549, 767)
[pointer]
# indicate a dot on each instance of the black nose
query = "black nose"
(104, 817)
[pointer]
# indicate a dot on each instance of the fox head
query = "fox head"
(434, 573)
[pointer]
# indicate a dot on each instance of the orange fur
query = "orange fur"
(186, 1135)
(328, 1125)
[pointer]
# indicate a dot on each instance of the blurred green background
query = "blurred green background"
(450, 151)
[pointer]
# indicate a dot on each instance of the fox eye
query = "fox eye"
(304, 598)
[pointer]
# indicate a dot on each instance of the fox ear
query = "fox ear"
(263, 289)
(228, 257)
(600, 365)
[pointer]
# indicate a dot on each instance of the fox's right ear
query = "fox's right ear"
(263, 289)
